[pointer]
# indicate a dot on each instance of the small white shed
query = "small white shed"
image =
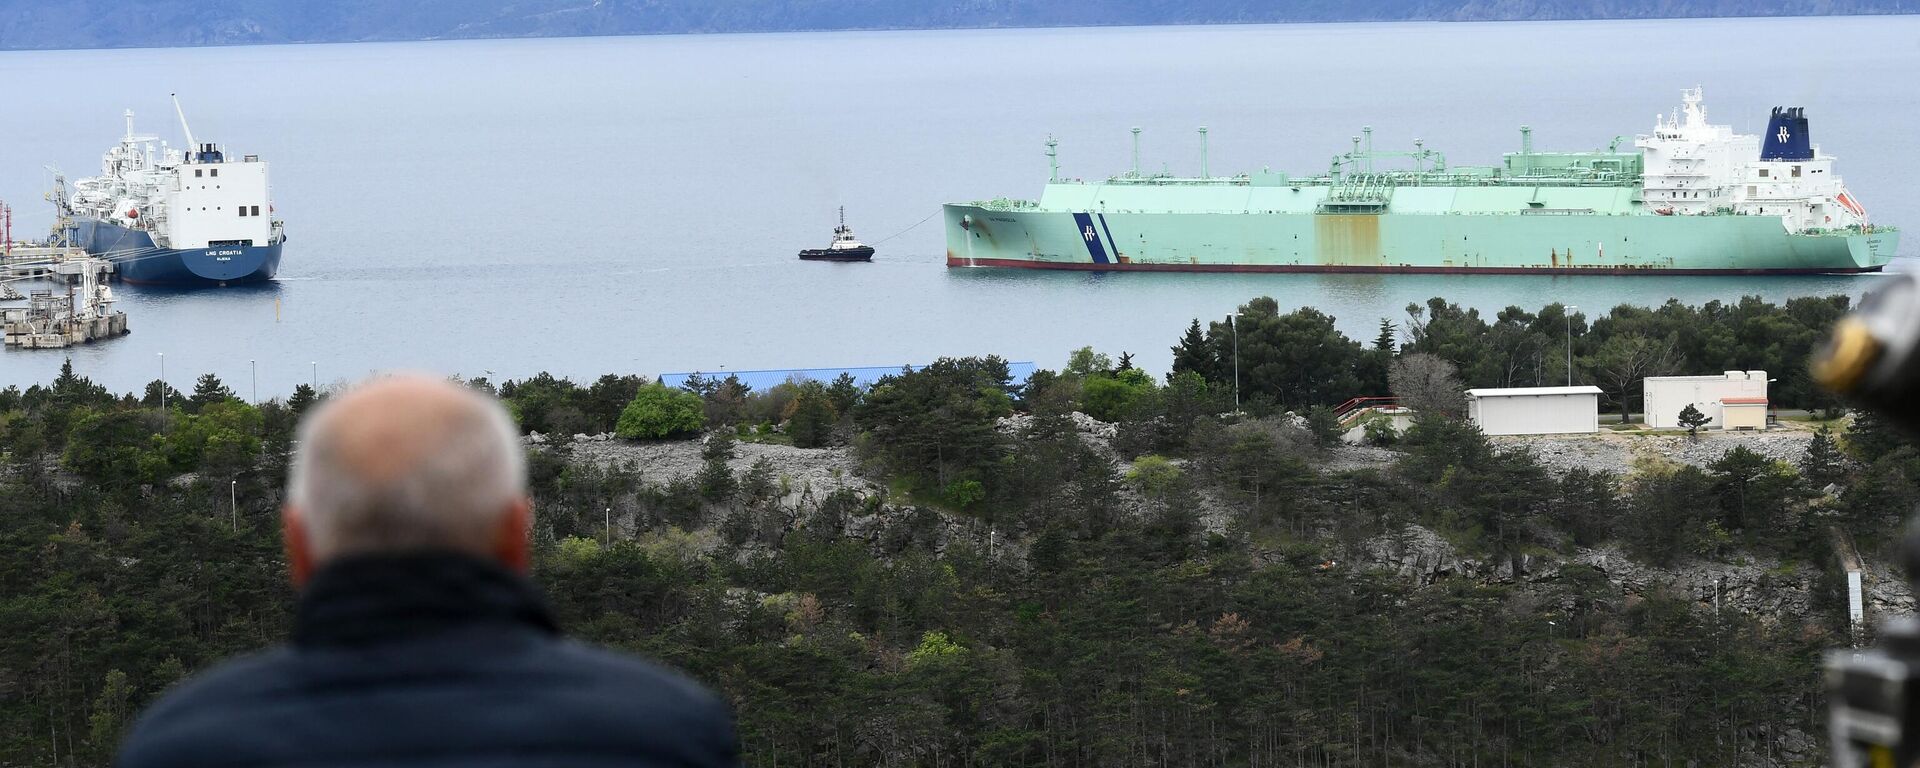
(1745, 392)
(1535, 410)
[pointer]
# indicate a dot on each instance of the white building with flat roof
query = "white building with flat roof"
(1535, 410)
(1730, 400)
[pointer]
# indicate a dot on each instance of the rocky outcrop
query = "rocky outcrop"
(1417, 553)
(1756, 586)
(1616, 452)
(815, 471)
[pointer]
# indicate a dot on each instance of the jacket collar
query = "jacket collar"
(368, 599)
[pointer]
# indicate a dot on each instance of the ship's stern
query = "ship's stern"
(1874, 248)
(231, 264)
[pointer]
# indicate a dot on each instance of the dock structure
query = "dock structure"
(82, 314)
(77, 308)
(59, 263)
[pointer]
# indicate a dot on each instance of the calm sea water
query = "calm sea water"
(633, 204)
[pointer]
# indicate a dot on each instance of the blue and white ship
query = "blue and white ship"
(167, 217)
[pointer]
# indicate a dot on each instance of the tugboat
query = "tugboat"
(843, 248)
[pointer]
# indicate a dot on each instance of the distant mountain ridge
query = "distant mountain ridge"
(45, 24)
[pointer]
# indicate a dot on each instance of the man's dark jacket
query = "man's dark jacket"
(431, 660)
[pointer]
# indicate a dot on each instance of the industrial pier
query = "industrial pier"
(52, 321)
(81, 313)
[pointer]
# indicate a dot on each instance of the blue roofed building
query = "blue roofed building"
(772, 377)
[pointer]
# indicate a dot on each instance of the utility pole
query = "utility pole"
(1568, 311)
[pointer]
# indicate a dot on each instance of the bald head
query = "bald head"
(406, 464)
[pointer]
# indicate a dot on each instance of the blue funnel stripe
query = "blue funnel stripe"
(1787, 137)
(1110, 240)
(1095, 248)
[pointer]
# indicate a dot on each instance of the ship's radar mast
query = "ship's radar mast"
(1053, 160)
(1203, 154)
(1136, 152)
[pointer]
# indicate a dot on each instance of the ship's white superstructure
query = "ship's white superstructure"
(1693, 167)
(198, 198)
(166, 216)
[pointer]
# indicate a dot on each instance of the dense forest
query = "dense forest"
(994, 584)
(163, 23)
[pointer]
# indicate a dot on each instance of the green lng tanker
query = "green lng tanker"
(1689, 198)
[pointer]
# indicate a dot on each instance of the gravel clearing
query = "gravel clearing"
(1616, 452)
(818, 469)
(1341, 458)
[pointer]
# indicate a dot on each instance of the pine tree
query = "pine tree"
(67, 379)
(716, 479)
(1693, 420)
(208, 390)
(1823, 465)
(843, 393)
(303, 398)
(71, 389)
(1126, 362)
(1388, 340)
(159, 392)
(1872, 436)
(719, 446)
(810, 417)
(1194, 354)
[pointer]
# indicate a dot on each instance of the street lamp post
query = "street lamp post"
(254, 368)
(607, 525)
(1233, 323)
(316, 376)
(1568, 311)
(233, 502)
(163, 381)
(1773, 416)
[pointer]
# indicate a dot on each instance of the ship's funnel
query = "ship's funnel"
(1787, 137)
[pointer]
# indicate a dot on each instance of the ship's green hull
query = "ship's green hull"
(1391, 242)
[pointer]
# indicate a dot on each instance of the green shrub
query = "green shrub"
(964, 493)
(1154, 475)
(1380, 433)
(658, 412)
(1108, 397)
(1323, 425)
